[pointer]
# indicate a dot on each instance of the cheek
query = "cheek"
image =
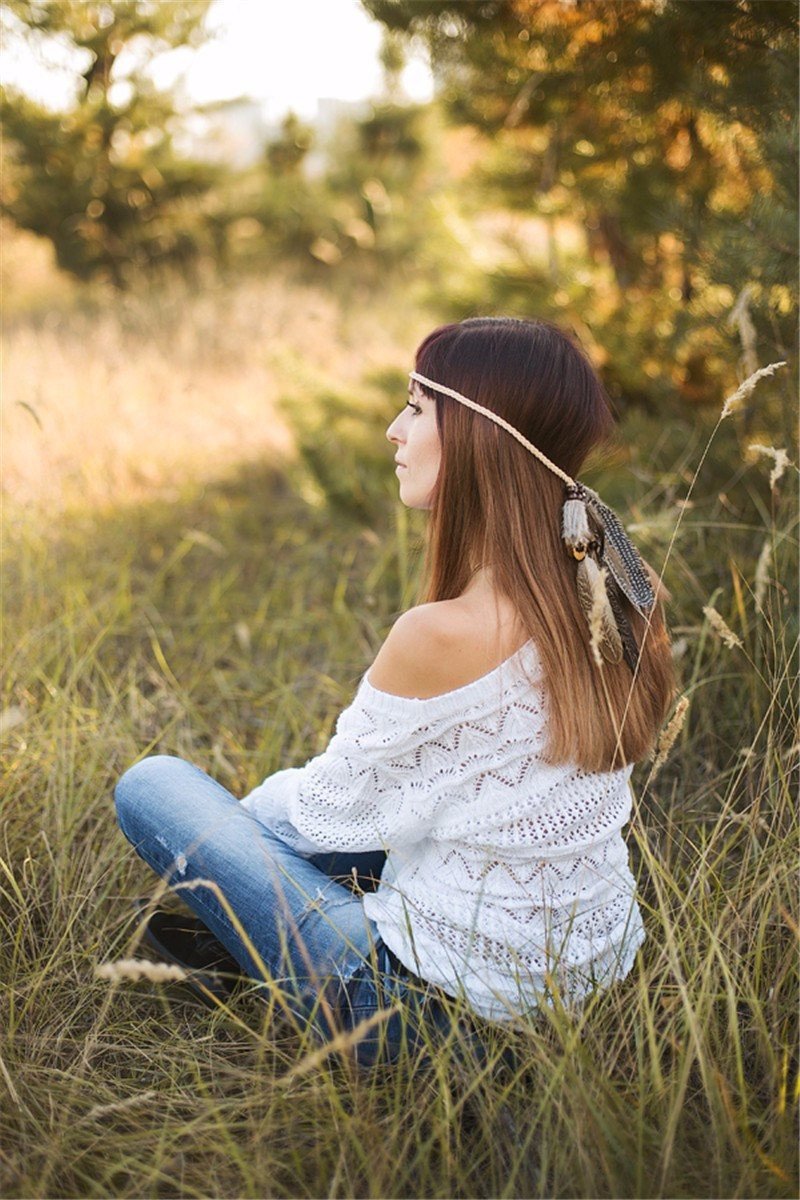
(425, 436)
(434, 450)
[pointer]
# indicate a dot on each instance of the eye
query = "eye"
(416, 407)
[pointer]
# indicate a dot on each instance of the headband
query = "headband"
(593, 534)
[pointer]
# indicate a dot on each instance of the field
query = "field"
(203, 550)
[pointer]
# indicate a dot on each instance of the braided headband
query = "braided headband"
(593, 534)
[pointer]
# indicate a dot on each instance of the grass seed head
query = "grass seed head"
(761, 576)
(739, 318)
(734, 401)
(134, 969)
(669, 734)
(779, 457)
(720, 626)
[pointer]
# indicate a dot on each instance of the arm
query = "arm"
(368, 790)
(269, 804)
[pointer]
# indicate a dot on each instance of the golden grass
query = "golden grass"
(130, 397)
(171, 588)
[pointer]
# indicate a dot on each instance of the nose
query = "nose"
(392, 432)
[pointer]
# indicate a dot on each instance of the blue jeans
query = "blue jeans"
(283, 919)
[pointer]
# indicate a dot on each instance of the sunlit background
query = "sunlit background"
(399, 162)
(259, 49)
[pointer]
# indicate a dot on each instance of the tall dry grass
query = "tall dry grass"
(120, 397)
(186, 571)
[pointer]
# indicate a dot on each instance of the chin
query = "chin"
(410, 500)
(413, 493)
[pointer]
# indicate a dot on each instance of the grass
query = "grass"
(165, 595)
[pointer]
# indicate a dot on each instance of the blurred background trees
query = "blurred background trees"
(102, 180)
(629, 168)
(666, 133)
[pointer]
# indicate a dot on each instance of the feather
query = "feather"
(629, 647)
(598, 611)
(575, 525)
(619, 555)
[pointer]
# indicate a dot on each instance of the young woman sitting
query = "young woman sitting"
(481, 773)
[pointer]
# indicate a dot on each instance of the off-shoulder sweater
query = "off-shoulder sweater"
(507, 879)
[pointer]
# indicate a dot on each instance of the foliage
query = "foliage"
(626, 169)
(286, 153)
(364, 202)
(102, 180)
(387, 162)
(667, 131)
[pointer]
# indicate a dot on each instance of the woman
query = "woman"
(482, 768)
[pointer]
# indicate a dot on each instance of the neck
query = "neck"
(480, 576)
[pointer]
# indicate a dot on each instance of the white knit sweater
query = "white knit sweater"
(506, 879)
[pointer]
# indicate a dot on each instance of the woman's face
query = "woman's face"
(418, 449)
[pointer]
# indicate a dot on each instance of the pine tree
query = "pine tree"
(666, 128)
(102, 180)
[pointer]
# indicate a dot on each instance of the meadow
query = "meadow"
(203, 550)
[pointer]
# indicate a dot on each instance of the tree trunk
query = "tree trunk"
(622, 260)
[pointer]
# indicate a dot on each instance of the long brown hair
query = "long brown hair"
(494, 504)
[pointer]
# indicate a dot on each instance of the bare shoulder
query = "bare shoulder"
(432, 649)
(413, 660)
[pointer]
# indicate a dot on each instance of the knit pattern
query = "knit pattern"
(507, 879)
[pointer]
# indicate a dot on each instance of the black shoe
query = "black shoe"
(185, 941)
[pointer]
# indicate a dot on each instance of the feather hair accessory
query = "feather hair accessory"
(593, 534)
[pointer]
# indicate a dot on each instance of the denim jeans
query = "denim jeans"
(280, 915)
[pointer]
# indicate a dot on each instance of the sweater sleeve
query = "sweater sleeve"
(368, 790)
(269, 804)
